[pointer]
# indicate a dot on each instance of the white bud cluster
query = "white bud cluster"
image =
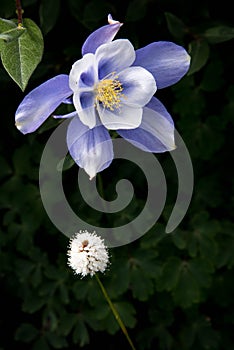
(87, 253)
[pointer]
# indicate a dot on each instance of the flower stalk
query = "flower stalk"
(19, 12)
(115, 312)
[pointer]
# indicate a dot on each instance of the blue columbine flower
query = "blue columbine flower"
(112, 88)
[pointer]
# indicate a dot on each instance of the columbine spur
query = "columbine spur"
(112, 88)
(87, 253)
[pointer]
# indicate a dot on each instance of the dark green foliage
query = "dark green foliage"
(173, 291)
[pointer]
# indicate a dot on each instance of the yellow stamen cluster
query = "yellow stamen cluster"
(109, 92)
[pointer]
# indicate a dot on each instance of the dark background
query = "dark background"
(173, 291)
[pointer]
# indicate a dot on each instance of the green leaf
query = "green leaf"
(6, 24)
(24, 269)
(201, 240)
(201, 270)
(67, 322)
(118, 282)
(80, 334)
(213, 76)
(56, 341)
(142, 286)
(199, 51)
(41, 344)
(226, 246)
(80, 289)
(200, 331)
(12, 34)
(102, 318)
(170, 274)
(64, 293)
(7, 8)
(26, 332)
(21, 56)
(32, 304)
(65, 163)
(49, 320)
(36, 276)
(176, 27)
(219, 34)
(127, 313)
(76, 9)
(187, 290)
(188, 335)
(5, 168)
(94, 11)
(136, 10)
(208, 337)
(178, 239)
(194, 275)
(143, 268)
(49, 12)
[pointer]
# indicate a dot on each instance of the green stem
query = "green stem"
(101, 190)
(115, 312)
(100, 184)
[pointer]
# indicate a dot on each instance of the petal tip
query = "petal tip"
(173, 147)
(188, 58)
(90, 171)
(112, 21)
(20, 127)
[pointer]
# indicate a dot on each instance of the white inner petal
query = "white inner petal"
(138, 86)
(124, 117)
(86, 111)
(114, 57)
(87, 66)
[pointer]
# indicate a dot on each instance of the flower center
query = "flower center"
(109, 92)
(84, 244)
